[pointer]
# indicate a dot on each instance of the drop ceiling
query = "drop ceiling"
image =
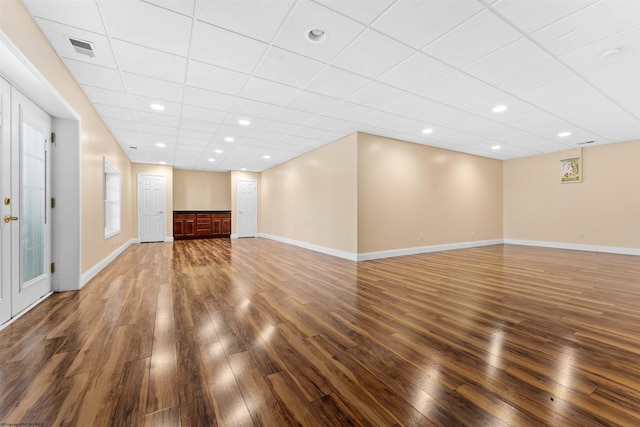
(387, 67)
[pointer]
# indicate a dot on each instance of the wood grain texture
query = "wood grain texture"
(255, 332)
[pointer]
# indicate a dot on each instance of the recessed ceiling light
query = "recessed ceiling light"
(161, 144)
(317, 35)
(496, 147)
(218, 151)
(163, 163)
(212, 160)
(244, 169)
(499, 108)
(157, 107)
(229, 139)
(563, 134)
(266, 156)
(427, 131)
(244, 122)
(611, 53)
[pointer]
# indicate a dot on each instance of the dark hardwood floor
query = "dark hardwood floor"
(255, 332)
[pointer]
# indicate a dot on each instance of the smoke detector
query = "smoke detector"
(82, 47)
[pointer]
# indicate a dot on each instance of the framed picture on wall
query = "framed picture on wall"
(571, 170)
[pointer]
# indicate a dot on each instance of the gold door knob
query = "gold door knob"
(8, 218)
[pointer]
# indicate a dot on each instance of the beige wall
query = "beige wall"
(167, 172)
(95, 139)
(198, 190)
(604, 208)
(235, 176)
(313, 198)
(409, 191)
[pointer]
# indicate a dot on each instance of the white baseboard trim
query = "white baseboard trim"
(25, 311)
(574, 246)
(168, 238)
(93, 271)
(234, 236)
(367, 256)
(317, 248)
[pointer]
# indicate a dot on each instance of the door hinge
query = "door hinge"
(53, 202)
(53, 267)
(53, 137)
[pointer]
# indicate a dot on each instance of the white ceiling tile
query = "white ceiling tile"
(94, 75)
(143, 103)
(508, 60)
(480, 35)
(210, 77)
(253, 108)
(148, 25)
(278, 127)
(59, 36)
(221, 47)
(320, 134)
(203, 114)
(136, 59)
(288, 68)
(74, 13)
(533, 77)
(567, 88)
(157, 119)
(156, 129)
(126, 134)
(307, 16)
(376, 95)
(336, 83)
(485, 97)
(415, 71)
(110, 112)
(254, 18)
(410, 105)
(348, 111)
(418, 23)
(372, 54)
(312, 102)
(152, 139)
(107, 97)
(185, 7)
(207, 99)
(190, 124)
(620, 81)
(530, 15)
(590, 24)
(236, 132)
(268, 91)
(233, 119)
(116, 124)
(289, 115)
(153, 88)
(330, 123)
(623, 45)
(195, 134)
(266, 135)
(450, 86)
(365, 11)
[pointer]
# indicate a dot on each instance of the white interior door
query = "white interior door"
(247, 201)
(29, 218)
(151, 204)
(5, 208)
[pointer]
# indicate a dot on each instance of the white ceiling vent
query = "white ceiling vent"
(82, 47)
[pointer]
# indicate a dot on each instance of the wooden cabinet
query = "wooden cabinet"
(201, 224)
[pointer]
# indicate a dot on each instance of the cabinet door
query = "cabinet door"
(190, 228)
(178, 228)
(226, 227)
(215, 226)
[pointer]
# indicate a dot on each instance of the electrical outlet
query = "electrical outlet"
(420, 236)
(580, 236)
(93, 251)
(473, 233)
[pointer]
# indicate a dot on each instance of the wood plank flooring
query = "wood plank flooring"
(252, 332)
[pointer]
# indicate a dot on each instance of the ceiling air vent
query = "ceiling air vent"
(82, 47)
(133, 147)
(587, 142)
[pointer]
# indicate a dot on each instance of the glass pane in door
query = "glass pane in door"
(33, 203)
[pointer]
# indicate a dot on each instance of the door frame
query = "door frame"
(164, 204)
(238, 181)
(66, 233)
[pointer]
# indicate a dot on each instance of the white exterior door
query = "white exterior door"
(247, 206)
(151, 205)
(5, 204)
(26, 209)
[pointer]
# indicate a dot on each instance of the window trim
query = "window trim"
(112, 186)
